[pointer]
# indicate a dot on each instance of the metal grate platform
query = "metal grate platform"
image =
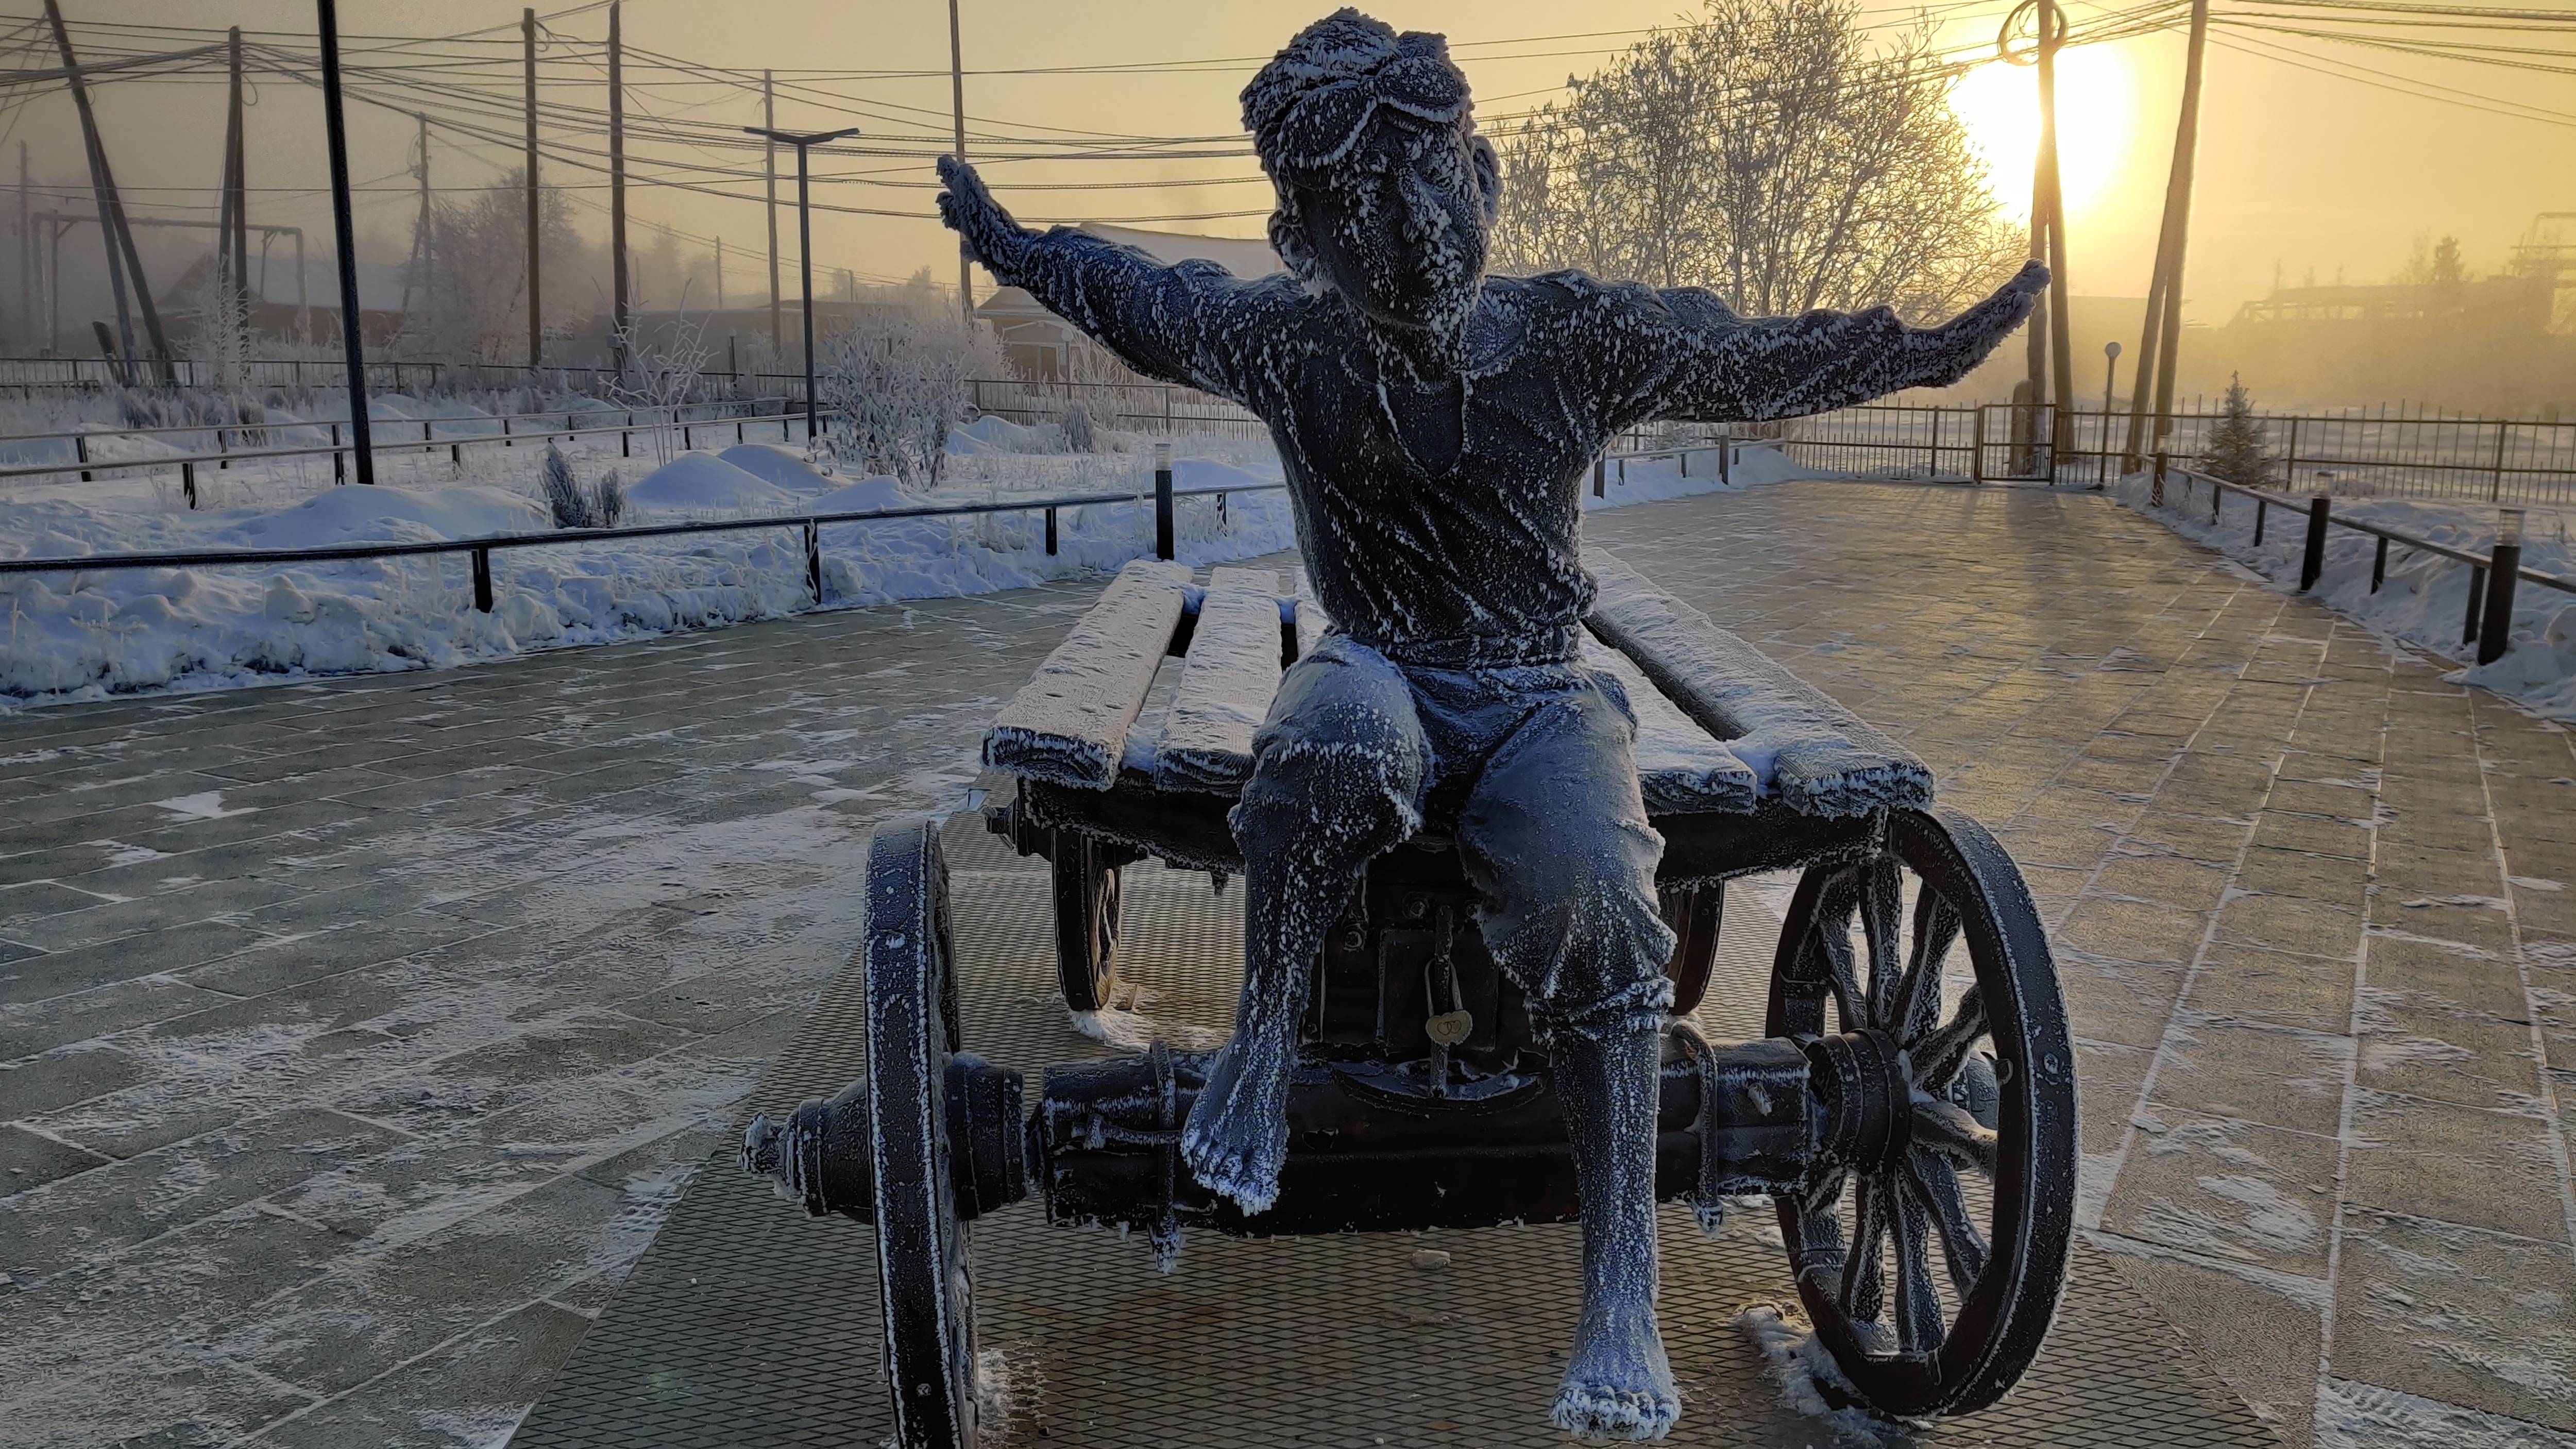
(747, 1324)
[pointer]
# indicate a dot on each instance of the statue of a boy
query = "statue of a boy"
(1436, 426)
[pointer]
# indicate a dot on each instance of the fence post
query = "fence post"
(2156, 489)
(2477, 599)
(2290, 460)
(1600, 476)
(1684, 455)
(188, 480)
(483, 579)
(2379, 565)
(2495, 634)
(1050, 516)
(1726, 460)
(1977, 447)
(222, 447)
(1932, 458)
(2262, 510)
(1163, 494)
(686, 441)
(2312, 560)
(2495, 490)
(626, 439)
(339, 463)
(80, 450)
(456, 456)
(814, 560)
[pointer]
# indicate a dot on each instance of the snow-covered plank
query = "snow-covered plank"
(1818, 757)
(1069, 723)
(1227, 683)
(1681, 769)
(1243, 577)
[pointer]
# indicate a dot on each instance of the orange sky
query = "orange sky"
(2297, 169)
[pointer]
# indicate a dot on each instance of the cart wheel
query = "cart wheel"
(923, 1270)
(1906, 1170)
(1086, 920)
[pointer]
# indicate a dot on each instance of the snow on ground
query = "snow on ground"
(85, 635)
(2425, 599)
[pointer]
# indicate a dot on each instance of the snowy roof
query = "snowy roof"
(380, 284)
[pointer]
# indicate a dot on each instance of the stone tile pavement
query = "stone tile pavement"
(355, 1036)
(2314, 908)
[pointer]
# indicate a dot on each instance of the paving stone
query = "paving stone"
(2256, 987)
(38, 1085)
(2487, 1169)
(2228, 1189)
(2287, 1079)
(2133, 930)
(29, 1159)
(2458, 1316)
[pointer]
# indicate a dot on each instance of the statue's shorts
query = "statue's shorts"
(1527, 766)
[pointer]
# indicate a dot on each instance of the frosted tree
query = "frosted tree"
(1770, 151)
(661, 368)
(897, 380)
(2235, 449)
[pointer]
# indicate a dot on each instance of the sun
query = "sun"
(1999, 104)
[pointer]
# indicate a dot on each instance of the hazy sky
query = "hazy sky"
(2297, 169)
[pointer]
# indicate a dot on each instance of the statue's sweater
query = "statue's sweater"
(1441, 519)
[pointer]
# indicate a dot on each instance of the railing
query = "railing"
(1137, 407)
(98, 374)
(2492, 576)
(381, 440)
(482, 549)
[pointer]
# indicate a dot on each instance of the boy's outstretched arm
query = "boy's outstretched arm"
(1184, 324)
(1683, 354)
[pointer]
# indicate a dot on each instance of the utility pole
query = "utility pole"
(336, 133)
(237, 188)
(2163, 331)
(769, 165)
(720, 306)
(418, 271)
(123, 261)
(957, 102)
(617, 183)
(26, 254)
(536, 203)
(2061, 324)
(803, 141)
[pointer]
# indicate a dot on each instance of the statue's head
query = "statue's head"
(1386, 192)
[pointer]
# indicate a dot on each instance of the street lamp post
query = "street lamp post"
(805, 243)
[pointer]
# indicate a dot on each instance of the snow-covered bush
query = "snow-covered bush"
(897, 380)
(659, 373)
(574, 506)
(1078, 435)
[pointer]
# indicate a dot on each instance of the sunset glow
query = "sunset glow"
(2095, 109)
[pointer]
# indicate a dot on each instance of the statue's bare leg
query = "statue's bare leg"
(1617, 1384)
(1336, 782)
(1556, 840)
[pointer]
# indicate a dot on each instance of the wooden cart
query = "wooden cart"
(1913, 1104)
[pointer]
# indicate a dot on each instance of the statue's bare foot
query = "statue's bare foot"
(1237, 1137)
(1618, 1385)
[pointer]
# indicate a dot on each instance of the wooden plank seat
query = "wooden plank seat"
(1160, 687)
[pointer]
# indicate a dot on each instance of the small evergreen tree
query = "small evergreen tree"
(2235, 448)
(563, 492)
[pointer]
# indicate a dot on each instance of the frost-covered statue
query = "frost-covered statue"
(1436, 426)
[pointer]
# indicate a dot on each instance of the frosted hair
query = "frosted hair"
(1344, 76)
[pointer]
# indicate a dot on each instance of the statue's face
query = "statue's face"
(1400, 226)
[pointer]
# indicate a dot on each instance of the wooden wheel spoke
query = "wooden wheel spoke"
(1864, 1294)
(1963, 1248)
(1833, 940)
(1920, 1326)
(1820, 1230)
(1936, 929)
(1946, 1129)
(1940, 1053)
(1882, 908)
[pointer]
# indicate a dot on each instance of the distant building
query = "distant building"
(1044, 346)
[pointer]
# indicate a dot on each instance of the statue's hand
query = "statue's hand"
(970, 211)
(2030, 281)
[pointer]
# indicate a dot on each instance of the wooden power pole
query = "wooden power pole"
(26, 255)
(2061, 433)
(352, 337)
(123, 261)
(769, 165)
(957, 104)
(2162, 337)
(236, 241)
(621, 319)
(536, 202)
